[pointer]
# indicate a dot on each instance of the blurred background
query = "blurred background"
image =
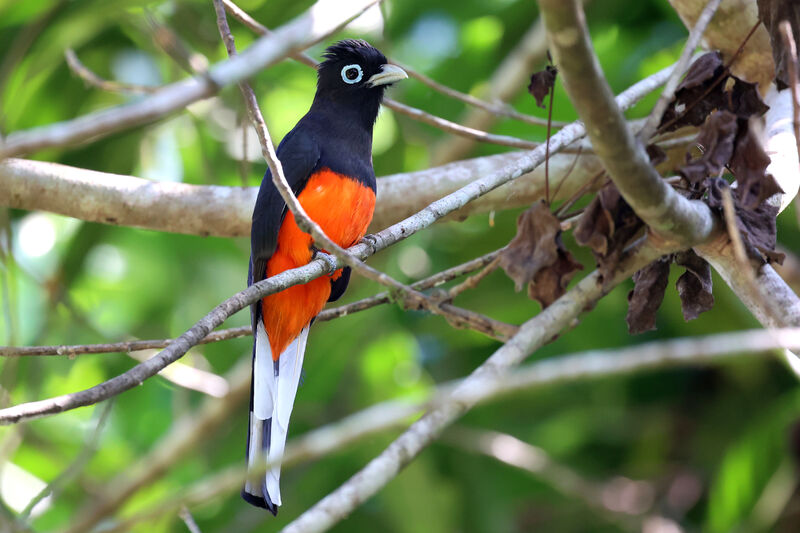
(707, 448)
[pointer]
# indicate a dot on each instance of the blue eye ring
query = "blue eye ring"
(347, 72)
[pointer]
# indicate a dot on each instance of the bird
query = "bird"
(327, 161)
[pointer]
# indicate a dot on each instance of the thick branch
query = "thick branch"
(210, 210)
(323, 19)
(669, 214)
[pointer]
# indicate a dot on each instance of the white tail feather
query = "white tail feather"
(273, 399)
(290, 367)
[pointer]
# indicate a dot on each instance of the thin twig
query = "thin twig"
(472, 281)
(496, 108)
(96, 81)
(188, 519)
(654, 118)
(244, 331)
(713, 85)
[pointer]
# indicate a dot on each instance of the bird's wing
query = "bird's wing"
(298, 154)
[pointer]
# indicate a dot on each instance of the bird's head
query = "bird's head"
(354, 73)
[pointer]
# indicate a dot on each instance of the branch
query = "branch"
(94, 80)
(210, 210)
(321, 20)
(669, 214)
(243, 331)
(314, 269)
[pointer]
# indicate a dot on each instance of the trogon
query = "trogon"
(327, 160)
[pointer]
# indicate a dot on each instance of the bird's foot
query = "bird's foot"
(371, 241)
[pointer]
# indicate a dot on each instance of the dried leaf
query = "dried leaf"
(757, 226)
(541, 84)
(550, 283)
(772, 13)
(656, 154)
(749, 165)
(694, 285)
(698, 94)
(716, 139)
(536, 255)
(744, 100)
(646, 296)
(759, 231)
(607, 226)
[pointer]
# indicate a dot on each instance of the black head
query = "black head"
(353, 77)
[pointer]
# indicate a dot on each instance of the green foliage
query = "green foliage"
(725, 428)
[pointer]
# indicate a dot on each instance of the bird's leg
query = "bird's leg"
(370, 240)
(316, 253)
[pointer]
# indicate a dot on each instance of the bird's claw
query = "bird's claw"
(370, 240)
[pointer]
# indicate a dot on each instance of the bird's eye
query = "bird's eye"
(352, 74)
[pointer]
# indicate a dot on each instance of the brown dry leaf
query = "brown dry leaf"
(757, 226)
(701, 77)
(772, 13)
(536, 255)
(694, 285)
(541, 84)
(744, 100)
(759, 231)
(716, 139)
(647, 295)
(550, 283)
(607, 226)
(656, 154)
(749, 164)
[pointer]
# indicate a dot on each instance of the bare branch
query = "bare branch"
(243, 331)
(225, 211)
(654, 118)
(321, 20)
(667, 213)
(96, 81)
(496, 108)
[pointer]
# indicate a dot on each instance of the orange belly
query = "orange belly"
(343, 208)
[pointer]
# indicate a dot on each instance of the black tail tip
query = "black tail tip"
(264, 503)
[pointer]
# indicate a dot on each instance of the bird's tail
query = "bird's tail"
(272, 394)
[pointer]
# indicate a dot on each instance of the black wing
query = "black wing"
(299, 154)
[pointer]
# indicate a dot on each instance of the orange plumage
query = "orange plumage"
(343, 208)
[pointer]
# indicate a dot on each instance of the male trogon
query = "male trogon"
(327, 160)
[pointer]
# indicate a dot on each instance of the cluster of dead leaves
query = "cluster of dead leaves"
(728, 146)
